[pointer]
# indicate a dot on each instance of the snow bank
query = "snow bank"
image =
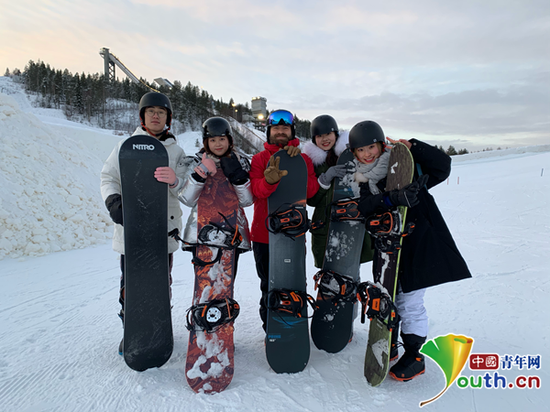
(50, 197)
(514, 151)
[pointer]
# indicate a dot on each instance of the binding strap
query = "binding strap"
(232, 239)
(210, 316)
(381, 224)
(345, 209)
(377, 304)
(334, 286)
(289, 220)
(199, 262)
(216, 235)
(289, 301)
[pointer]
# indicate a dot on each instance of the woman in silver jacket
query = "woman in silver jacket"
(217, 156)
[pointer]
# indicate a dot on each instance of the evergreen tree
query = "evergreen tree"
(303, 128)
(451, 151)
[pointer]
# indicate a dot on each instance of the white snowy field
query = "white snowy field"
(59, 278)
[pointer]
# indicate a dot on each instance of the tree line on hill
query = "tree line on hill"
(106, 104)
(451, 151)
(113, 104)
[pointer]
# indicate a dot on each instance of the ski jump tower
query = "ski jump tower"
(110, 60)
(245, 137)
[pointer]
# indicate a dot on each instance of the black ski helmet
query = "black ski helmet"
(216, 126)
(365, 133)
(323, 124)
(280, 117)
(155, 99)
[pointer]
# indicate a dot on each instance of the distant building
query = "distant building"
(259, 108)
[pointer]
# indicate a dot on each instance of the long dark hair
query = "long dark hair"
(332, 159)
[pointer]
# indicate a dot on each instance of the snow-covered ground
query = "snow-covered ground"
(59, 288)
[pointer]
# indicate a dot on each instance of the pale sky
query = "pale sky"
(471, 73)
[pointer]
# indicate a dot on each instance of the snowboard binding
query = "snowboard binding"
(377, 304)
(220, 236)
(334, 286)
(210, 316)
(225, 236)
(289, 301)
(291, 221)
(345, 209)
(388, 229)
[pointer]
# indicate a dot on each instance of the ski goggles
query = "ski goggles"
(280, 117)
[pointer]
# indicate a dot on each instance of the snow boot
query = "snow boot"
(120, 352)
(411, 364)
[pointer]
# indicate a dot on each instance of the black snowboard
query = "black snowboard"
(385, 270)
(287, 340)
(148, 339)
(332, 323)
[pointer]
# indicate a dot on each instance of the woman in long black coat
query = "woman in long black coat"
(429, 255)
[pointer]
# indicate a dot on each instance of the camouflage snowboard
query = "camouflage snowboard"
(377, 359)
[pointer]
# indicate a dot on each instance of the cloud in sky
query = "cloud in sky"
(472, 72)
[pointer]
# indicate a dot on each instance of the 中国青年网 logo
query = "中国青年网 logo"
(452, 353)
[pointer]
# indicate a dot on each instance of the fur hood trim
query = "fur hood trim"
(318, 156)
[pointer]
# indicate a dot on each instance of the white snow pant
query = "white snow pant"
(410, 306)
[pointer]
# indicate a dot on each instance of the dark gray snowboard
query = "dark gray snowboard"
(148, 339)
(332, 323)
(287, 343)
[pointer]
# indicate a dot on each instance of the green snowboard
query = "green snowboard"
(377, 358)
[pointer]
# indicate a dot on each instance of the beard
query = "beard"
(277, 138)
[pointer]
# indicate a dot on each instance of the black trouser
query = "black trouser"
(261, 256)
(121, 293)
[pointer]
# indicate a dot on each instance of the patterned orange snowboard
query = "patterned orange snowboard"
(209, 366)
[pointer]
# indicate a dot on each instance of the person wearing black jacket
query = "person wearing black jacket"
(429, 255)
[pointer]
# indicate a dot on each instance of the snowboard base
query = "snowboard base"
(148, 339)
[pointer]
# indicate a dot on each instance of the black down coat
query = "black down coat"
(429, 255)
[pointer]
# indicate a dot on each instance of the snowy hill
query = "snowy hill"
(49, 177)
(60, 332)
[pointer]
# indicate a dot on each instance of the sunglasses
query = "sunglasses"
(280, 117)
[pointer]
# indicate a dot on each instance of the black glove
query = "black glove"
(407, 196)
(233, 170)
(364, 190)
(114, 206)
